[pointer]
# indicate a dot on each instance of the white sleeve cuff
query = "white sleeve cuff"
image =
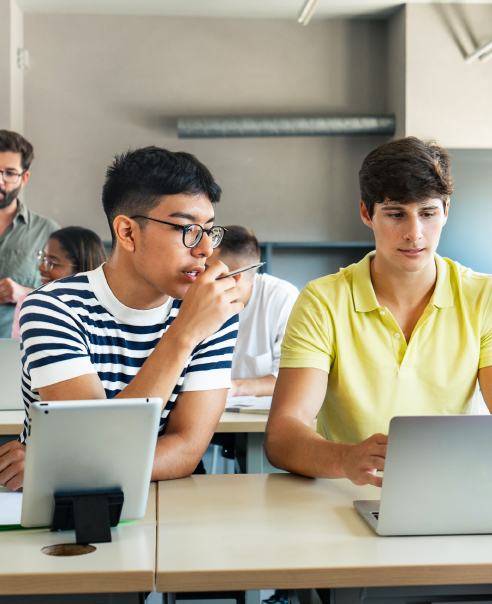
(60, 372)
(206, 380)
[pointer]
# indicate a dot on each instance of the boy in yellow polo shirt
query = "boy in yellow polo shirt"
(403, 332)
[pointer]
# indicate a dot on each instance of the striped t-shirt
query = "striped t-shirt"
(76, 326)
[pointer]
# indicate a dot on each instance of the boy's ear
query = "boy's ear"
(126, 230)
(364, 214)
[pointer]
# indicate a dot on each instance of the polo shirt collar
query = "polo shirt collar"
(22, 211)
(443, 292)
(365, 299)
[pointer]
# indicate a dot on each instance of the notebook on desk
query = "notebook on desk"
(249, 404)
(10, 374)
(437, 477)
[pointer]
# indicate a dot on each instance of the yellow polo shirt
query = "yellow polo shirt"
(338, 326)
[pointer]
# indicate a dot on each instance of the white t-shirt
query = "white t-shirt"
(262, 326)
(76, 326)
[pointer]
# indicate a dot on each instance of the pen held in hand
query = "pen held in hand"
(241, 270)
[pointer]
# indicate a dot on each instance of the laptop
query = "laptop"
(10, 374)
(437, 477)
(89, 446)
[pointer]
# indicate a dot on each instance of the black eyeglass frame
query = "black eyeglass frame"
(185, 228)
(11, 182)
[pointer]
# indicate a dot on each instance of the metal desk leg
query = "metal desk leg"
(254, 453)
(253, 596)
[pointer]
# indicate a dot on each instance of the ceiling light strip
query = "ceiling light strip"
(307, 12)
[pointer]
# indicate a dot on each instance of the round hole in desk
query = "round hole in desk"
(68, 549)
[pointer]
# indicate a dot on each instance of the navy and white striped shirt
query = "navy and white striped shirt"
(76, 326)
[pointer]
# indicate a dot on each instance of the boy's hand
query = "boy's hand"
(208, 304)
(12, 456)
(363, 460)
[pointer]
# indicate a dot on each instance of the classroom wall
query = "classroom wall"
(467, 236)
(101, 84)
(12, 78)
(397, 70)
(446, 98)
(4, 63)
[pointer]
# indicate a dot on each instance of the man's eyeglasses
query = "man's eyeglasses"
(10, 176)
(192, 233)
(47, 263)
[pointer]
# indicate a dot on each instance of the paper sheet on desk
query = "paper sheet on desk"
(249, 404)
(10, 507)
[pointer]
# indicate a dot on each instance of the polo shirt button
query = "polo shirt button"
(382, 312)
(397, 336)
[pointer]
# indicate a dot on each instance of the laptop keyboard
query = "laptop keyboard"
(375, 514)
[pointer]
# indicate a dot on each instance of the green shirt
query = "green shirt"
(19, 245)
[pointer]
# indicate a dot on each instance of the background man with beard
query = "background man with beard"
(22, 232)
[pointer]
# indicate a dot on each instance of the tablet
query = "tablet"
(92, 446)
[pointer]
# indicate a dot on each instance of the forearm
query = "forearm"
(162, 370)
(294, 447)
(23, 291)
(254, 386)
(174, 458)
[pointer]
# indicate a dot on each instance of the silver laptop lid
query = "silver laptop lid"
(10, 374)
(437, 476)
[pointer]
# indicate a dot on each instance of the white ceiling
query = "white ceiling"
(253, 9)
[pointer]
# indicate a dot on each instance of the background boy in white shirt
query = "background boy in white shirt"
(267, 304)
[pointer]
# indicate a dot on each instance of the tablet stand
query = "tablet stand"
(90, 514)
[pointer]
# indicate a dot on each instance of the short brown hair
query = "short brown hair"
(15, 143)
(406, 170)
(240, 242)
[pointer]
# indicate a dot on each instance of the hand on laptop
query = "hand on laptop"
(12, 457)
(208, 303)
(363, 460)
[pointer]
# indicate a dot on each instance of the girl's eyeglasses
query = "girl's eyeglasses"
(48, 264)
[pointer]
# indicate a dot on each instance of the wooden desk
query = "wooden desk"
(11, 422)
(11, 425)
(253, 426)
(125, 566)
(252, 531)
(251, 423)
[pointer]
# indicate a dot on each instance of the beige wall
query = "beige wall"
(397, 57)
(5, 63)
(12, 78)
(446, 98)
(100, 84)
(16, 74)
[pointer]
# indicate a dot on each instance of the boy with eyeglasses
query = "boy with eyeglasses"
(148, 323)
(22, 232)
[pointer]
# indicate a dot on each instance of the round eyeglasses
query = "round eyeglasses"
(47, 263)
(10, 176)
(192, 233)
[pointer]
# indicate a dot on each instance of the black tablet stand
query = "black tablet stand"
(90, 514)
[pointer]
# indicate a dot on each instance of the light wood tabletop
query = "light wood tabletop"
(11, 422)
(231, 421)
(127, 564)
(270, 531)
(244, 422)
